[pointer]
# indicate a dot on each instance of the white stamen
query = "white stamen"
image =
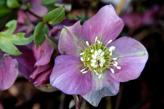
(115, 63)
(94, 56)
(112, 70)
(96, 39)
(108, 42)
(95, 72)
(84, 72)
(87, 43)
(81, 59)
(99, 51)
(98, 42)
(118, 67)
(81, 53)
(92, 51)
(100, 76)
(94, 65)
(114, 59)
(112, 48)
(93, 61)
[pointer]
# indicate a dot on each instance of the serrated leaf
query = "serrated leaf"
(8, 47)
(39, 33)
(13, 3)
(55, 16)
(20, 39)
(11, 26)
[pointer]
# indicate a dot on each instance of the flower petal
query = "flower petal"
(43, 53)
(105, 86)
(41, 75)
(67, 77)
(69, 41)
(8, 72)
(106, 25)
(132, 58)
(26, 61)
(21, 17)
(38, 8)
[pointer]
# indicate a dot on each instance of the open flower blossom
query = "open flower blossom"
(92, 61)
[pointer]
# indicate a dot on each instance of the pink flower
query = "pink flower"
(8, 71)
(93, 61)
(35, 64)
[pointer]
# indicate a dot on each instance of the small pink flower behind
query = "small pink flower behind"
(93, 61)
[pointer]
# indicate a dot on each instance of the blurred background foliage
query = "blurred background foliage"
(144, 21)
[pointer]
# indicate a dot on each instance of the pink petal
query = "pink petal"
(67, 77)
(26, 61)
(38, 8)
(41, 75)
(21, 17)
(43, 53)
(133, 20)
(69, 41)
(132, 58)
(8, 72)
(106, 25)
(105, 86)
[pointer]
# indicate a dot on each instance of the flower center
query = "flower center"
(98, 58)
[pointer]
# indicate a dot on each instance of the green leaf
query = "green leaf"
(39, 33)
(8, 40)
(20, 39)
(48, 2)
(2, 2)
(13, 3)
(8, 47)
(11, 26)
(55, 16)
(4, 11)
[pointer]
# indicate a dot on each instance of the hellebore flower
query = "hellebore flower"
(93, 63)
(24, 17)
(135, 20)
(35, 65)
(8, 71)
(36, 7)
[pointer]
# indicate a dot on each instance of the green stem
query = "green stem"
(77, 102)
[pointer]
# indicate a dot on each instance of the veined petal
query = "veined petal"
(67, 77)
(69, 41)
(106, 25)
(41, 74)
(132, 57)
(105, 86)
(8, 72)
(43, 53)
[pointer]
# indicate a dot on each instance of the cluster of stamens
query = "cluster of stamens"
(98, 58)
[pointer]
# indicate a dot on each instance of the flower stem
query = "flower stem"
(35, 15)
(119, 97)
(38, 17)
(120, 6)
(77, 102)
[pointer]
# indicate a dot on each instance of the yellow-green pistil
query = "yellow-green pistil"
(96, 57)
